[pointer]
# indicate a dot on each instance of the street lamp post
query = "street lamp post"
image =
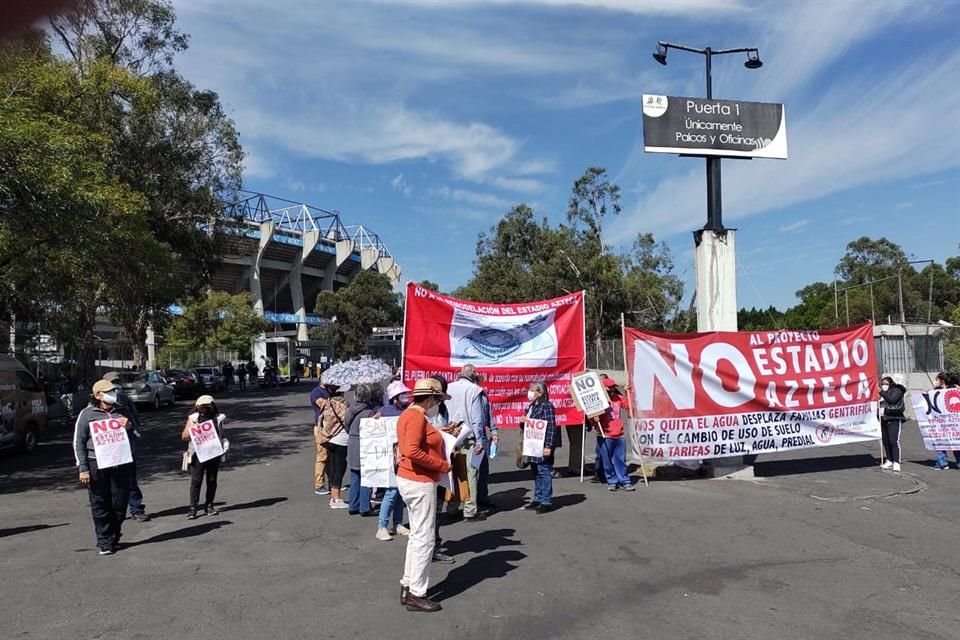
(715, 249)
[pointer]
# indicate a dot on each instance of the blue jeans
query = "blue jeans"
(598, 461)
(614, 453)
(359, 496)
(135, 501)
(392, 504)
(942, 461)
(542, 481)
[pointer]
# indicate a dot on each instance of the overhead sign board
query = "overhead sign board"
(728, 128)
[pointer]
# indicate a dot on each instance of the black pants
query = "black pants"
(136, 495)
(198, 470)
(109, 491)
(890, 432)
(336, 465)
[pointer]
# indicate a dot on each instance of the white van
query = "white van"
(23, 406)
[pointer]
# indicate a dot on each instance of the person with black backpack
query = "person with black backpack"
(891, 421)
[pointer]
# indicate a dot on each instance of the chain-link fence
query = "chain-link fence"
(605, 354)
(181, 358)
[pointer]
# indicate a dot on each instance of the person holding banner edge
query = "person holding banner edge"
(613, 450)
(945, 381)
(542, 467)
(109, 488)
(891, 422)
(205, 410)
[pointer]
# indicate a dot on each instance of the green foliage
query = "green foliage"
(430, 285)
(368, 301)
(218, 320)
(523, 258)
(951, 343)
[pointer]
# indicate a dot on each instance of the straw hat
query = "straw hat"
(429, 387)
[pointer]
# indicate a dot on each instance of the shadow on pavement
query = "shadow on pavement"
(186, 532)
(495, 564)
(12, 531)
(252, 441)
(483, 541)
(510, 499)
(255, 504)
(813, 465)
(567, 500)
(520, 475)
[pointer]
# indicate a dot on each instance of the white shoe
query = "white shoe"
(339, 504)
(896, 466)
(402, 530)
(886, 466)
(383, 534)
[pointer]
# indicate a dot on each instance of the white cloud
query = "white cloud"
(471, 197)
(400, 184)
(643, 7)
(904, 205)
(294, 185)
(794, 226)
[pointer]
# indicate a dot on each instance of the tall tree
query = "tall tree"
(218, 320)
(367, 302)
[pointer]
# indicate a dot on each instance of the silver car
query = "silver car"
(147, 388)
(211, 378)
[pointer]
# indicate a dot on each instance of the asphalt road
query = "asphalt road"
(817, 548)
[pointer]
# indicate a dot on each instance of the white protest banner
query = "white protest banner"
(534, 434)
(377, 438)
(450, 444)
(588, 392)
(206, 442)
(938, 416)
(111, 445)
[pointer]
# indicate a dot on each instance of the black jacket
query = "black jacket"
(894, 401)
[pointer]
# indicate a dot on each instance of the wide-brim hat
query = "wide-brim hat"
(103, 386)
(204, 400)
(395, 389)
(429, 387)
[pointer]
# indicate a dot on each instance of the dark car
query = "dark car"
(185, 383)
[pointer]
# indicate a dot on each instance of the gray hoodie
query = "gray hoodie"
(82, 442)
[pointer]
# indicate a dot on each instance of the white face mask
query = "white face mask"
(433, 411)
(109, 397)
(532, 395)
(885, 387)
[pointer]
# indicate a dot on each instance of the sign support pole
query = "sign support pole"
(626, 371)
(583, 431)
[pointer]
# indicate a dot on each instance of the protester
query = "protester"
(205, 410)
(242, 376)
(613, 449)
(441, 421)
(891, 423)
(492, 436)
(318, 400)
(128, 409)
(945, 381)
(368, 399)
(466, 406)
(227, 375)
(398, 399)
(336, 438)
(107, 489)
(541, 467)
(252, 372)
(421, 463)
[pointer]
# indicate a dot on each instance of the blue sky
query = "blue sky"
(425, 120)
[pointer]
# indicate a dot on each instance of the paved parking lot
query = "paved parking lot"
(815, 548)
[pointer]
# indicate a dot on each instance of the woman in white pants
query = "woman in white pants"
(421, 463)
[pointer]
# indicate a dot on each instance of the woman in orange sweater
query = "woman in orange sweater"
(419, 469)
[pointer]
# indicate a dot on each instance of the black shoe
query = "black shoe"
(192, 514)
(415, 603)
(486, 504)
(140, 517)
(544, 508)
(404, 594)
(477, 518)
(211, 510)
(440, 556)
(531, 506)
(369, 514)
(596, 480)
(104, 551)
(353, 513)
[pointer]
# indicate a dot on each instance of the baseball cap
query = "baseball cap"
(204, 400)
(103, 386)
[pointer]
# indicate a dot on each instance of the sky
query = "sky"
(427, 120)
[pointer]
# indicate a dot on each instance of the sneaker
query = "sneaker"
(140, 517)
(402, 530)
(192, 514)
(384, 535)
(211, 510)
(628, 487)
(937, 467)
(886, 466)
(440, 556)
(612, 487)
(544, 508)
(339, 504)
(477, 518)
(896, 467)
(106, 552)
(322, 491)
(532, 505)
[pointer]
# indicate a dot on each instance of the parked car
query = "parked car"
(211, 378)
(146, 387)
(185, 382)
(23, 406)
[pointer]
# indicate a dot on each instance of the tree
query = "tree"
(432, 286)
(367, 302)
(218, 320)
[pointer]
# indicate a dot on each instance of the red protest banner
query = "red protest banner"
(709, 395)
(511, 345)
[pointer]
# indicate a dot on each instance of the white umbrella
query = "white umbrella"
(363, 371)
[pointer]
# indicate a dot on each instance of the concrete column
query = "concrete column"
(717, 311)
(256, 291)
(296, 292)
(151, 348)
(368, 257)
(344, 251)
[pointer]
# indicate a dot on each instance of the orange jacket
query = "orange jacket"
(420, 446)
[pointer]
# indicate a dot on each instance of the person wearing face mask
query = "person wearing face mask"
(542, 466)
(422, 461)
(466, 406)
(108, 489)
(398, 399)
(204, 410)
(367, 400)
(891, 422)
(945, 381)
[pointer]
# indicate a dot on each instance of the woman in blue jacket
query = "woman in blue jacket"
(542, 466)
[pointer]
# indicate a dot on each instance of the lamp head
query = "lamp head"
(753, 60)
(661, 54)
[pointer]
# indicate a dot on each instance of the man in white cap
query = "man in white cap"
(466, 406)
(109, 489)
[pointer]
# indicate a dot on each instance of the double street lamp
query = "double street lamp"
(714, 202)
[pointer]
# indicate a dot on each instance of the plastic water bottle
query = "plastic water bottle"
(493, 449)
